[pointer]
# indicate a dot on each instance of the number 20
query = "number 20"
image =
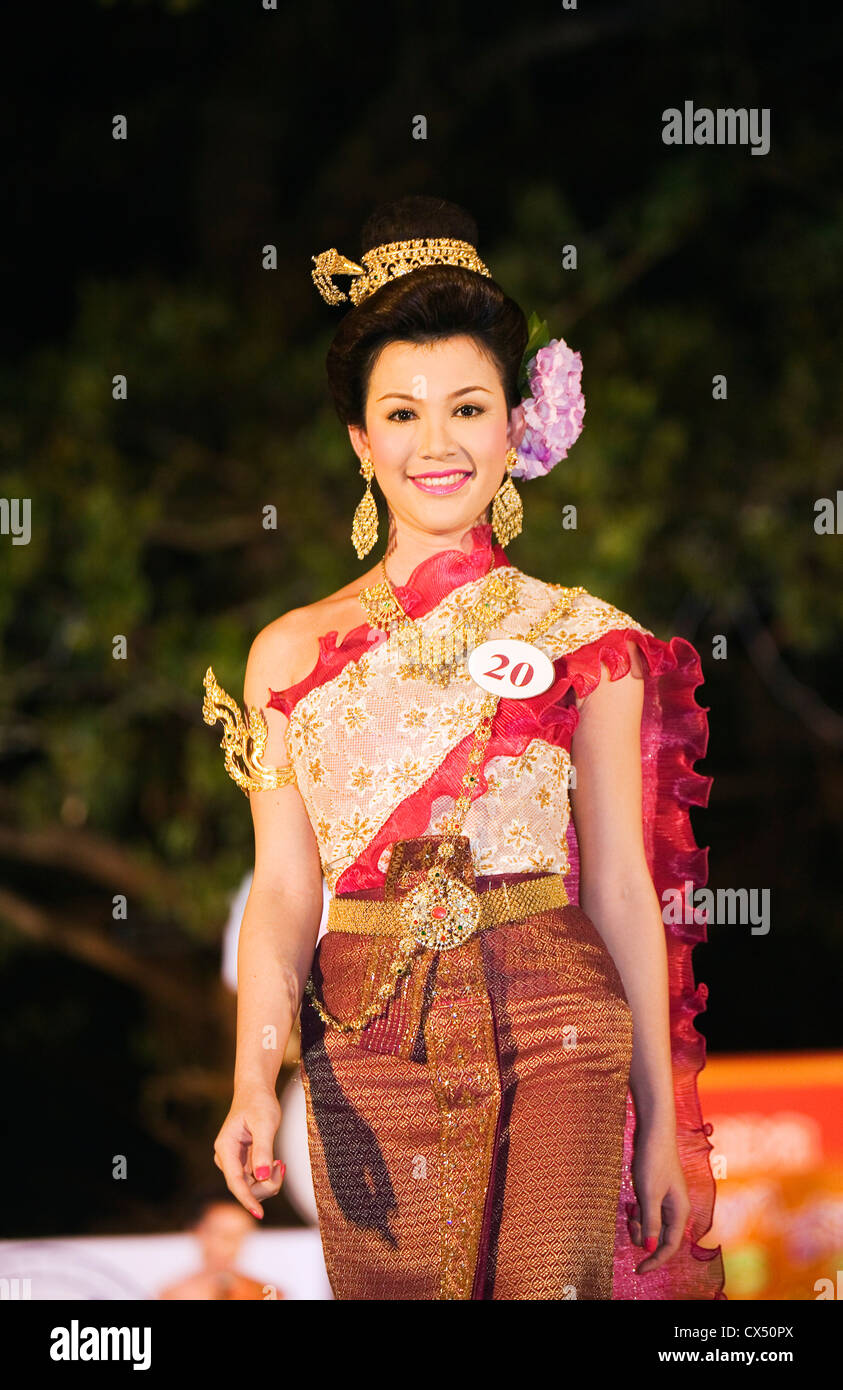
(523, 666)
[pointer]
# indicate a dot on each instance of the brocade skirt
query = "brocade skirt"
(467, 1143)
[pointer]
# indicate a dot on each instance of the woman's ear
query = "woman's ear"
(359, 441)
(517, 426)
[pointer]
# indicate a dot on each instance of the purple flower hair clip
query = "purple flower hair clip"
(553, 402)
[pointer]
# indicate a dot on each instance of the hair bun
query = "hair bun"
(431, 303)
(417, 215)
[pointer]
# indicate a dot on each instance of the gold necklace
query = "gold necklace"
(438, 655)
(442, 911)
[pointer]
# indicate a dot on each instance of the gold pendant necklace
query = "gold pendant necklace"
(437, 656)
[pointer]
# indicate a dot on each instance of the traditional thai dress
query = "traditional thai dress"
(474, 1140)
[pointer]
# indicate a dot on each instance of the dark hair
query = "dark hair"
(426, 305)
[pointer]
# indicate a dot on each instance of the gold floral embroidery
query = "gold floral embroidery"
(360, 778)
(528, 758)
(541, 861)
(310, 729)
(356, 717)
(413, 718)
(355, 833)
(517, 835)
(404, 777)
(353, 676)
(535, 783)
(589, 619)
(460, 716)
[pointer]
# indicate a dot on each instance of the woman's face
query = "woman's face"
(437, 431)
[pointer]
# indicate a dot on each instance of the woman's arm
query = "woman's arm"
(277, 939)
(617, 893)
(616, 888)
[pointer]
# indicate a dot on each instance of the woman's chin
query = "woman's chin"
(445, 519)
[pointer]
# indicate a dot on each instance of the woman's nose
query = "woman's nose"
(436, 443)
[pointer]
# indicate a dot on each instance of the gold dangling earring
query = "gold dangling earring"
(364, 532)
(507, 511)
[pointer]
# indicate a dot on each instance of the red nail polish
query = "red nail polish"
(283, 1171)
(650, 1243)
(262, 1172)
(257, 1212)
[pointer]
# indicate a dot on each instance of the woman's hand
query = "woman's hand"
(663, 1207)
(244, 1145)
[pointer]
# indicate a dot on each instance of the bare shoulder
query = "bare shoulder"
(286, 650)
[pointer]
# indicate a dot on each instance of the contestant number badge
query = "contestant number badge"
(511, 668)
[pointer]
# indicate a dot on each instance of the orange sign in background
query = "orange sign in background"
(778, 1161)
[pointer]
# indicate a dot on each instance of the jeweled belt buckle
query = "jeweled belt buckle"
(442, 912)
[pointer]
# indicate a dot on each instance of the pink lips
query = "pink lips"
(425, 482)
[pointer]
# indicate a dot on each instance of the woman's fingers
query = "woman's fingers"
(243, 1153)
(671, 1227)
(650, 1224)
(268, 1187)
(227, 1158)
(261, 1162)
(633, 1213)
(652, 1258)
(675, 1216)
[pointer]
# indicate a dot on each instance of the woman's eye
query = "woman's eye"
(403, 412)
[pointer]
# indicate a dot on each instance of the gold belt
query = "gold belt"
(505, 903)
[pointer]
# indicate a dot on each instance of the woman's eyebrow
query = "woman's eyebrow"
(401, 396)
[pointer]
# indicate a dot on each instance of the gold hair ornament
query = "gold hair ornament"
(387, 262)
(243, 739)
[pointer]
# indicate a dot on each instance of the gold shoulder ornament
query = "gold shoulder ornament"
(243, 741)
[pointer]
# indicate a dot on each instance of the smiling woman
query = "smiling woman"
(448, 343)
(441, 480)
(448, 440)
(501, 1103)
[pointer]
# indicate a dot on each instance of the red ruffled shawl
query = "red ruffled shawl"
(674, 734)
